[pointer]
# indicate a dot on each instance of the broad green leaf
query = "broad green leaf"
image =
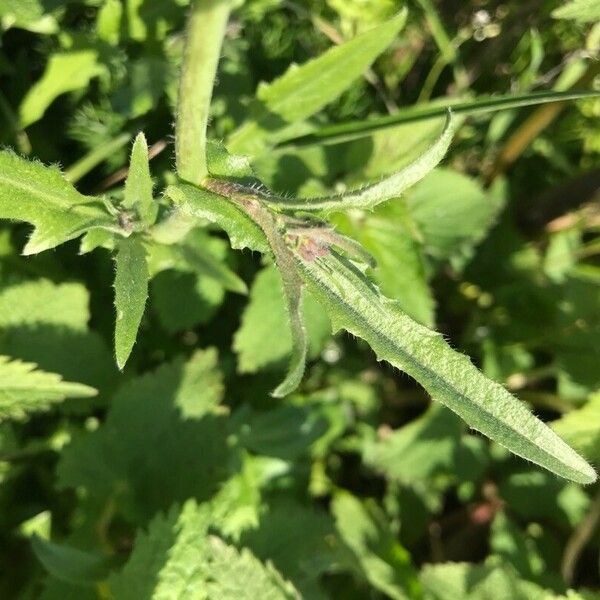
(26, 14)
(131, 292)
(197, 202)
(428, 446)
(177, 558)
(47, 324)
(203, 296)
(41, 302)
(156, 423)
(382, 560)
(450, 581)
(343, 132)
(138, 187)
(450, 377)
(41, 196)
(390, 187)
(519, 548)
(70, 564)
(451, 212)
(108, 21)
(304, 90)
(389, 233)
(582, 11)
(286, 432)
(238, 575)
(168, 558)
(263, 339)
(24, 389)
(307, 544)
(581, 427)
(65, 72)
(147, 78)
(205, 264)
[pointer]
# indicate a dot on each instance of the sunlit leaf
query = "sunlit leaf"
(65, 72)
(303, 90)
(41, 196)
(138, 187)
(131, 292)
(355, 304)
(24, 389)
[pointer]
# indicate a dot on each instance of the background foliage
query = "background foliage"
(182, 476)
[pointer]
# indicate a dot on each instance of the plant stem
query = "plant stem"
(23, 143)
(579, 539)
(206, 29)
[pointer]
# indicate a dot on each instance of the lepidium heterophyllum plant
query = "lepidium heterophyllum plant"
(148, 232)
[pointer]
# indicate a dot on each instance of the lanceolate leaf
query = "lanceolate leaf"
(138, 187)
(41, 196)
(131, 292)
(391, 187)
(583, 11)
(242, 231)
(304, 90)
(355, 304)
(292, 291)
(65, 72)
(24, 389)
(70, 564)
(343, 132)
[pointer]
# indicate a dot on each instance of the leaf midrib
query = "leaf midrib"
(55, 199)
(442, 382)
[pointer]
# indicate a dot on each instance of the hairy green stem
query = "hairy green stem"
(206, 29)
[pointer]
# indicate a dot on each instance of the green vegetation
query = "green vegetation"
(200, 199)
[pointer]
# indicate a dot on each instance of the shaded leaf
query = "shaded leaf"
(70, 564)
(381, 558)
(307, 545)
(263, 339)
(452, 212)
(203, 296)
(286, 432)
(156, 423)
(65, 72)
